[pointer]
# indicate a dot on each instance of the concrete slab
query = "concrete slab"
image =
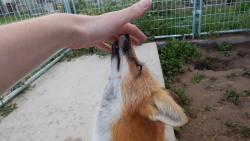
(64, 101)
(232, 39)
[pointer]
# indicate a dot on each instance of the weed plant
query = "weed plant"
(225, 48)
(246, 93)
(7, 108)
(198, 77)
(208, 87)
(213, 79)
(174, 55)
(231, 75)
(238, 127)
(233, 95)
(246, 72)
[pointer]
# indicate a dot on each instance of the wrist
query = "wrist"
(67, 27)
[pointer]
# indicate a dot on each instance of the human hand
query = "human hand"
(96, 30)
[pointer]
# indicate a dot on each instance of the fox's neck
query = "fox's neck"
(132, 125)
(137, 128)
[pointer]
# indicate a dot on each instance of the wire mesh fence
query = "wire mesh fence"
(166, 18)
(225, 16)
(172, 18)
(18, 10)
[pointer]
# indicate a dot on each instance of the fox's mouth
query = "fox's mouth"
(122, 50)
(115, 53)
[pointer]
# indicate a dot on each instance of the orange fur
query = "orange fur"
(137, 98)
(140, 95)
(137, 128)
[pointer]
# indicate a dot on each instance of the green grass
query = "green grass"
(225, 48)
(233, 95)
(84, 51)
(231, 75)
(213, 79)
(9, 19)
(246, 93)
(207, 107)
(7, 108)
(246, 72)
(198, 77)
(15, 18)
(208, 87)
(238, 127)
(174, 55)
(184, 98)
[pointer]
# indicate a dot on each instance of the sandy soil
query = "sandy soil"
(210, 106)
(61, 105)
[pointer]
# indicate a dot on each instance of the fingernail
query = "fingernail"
(145, 3)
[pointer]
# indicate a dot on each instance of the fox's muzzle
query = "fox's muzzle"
(122, 50)
(123, 44)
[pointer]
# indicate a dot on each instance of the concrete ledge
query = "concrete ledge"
(63, 102)
(232, 40)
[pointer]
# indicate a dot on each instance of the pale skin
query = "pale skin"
(25, 45)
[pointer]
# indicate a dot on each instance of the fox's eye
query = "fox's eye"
(139, 67)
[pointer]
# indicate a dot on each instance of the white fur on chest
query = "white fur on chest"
(109, 111)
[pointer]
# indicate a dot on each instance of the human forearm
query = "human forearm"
(25, 45)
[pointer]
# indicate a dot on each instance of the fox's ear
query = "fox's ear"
(167, 110)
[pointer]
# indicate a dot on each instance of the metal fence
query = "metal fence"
(166, 18)
(224, 16)
(174, 18)
(18, 10)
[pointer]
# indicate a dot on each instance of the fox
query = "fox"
(134, 107)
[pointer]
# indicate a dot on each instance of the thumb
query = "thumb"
(129, 14)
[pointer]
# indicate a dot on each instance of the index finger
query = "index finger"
(133, 31)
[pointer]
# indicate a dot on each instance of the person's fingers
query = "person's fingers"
(133, 31)
(112, 39)
(134, 40)
(103, 46)
(129, 14)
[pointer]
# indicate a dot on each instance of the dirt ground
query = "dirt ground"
(211, 108)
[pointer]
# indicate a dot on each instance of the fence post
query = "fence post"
(200, 19)
(67, 6)
(74, 6)
(194, 18)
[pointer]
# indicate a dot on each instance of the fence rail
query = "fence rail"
(166, 18)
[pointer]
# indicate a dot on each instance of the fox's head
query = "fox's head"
(124, 60)
(140, 93)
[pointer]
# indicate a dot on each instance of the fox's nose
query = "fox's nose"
(124, 43)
